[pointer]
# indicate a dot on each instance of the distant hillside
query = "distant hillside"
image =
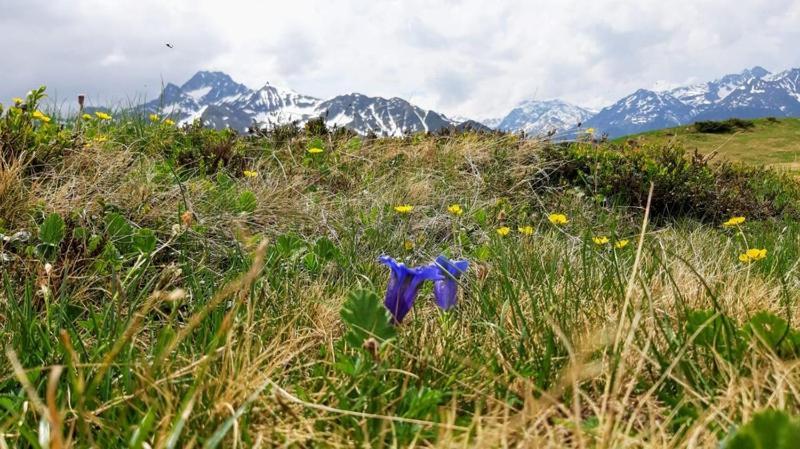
(774, 142)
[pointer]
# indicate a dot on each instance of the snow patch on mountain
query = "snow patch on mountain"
(543, 117)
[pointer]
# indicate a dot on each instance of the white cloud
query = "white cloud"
(459, 57)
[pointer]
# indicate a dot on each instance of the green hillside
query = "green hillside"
(774, 142)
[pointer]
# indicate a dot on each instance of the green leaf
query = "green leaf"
(325, 249)
(120, 232)
(247, 202)
(144, 241)
(768, 327)
(771, 429)
(365, 317)
(51, 232)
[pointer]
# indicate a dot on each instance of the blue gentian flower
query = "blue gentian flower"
(444, 289)
(404, 285)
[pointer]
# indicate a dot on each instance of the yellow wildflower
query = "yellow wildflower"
(590, 131)
(100, 139)
(752, 255)
(315, 150)
(408, 245)
(250, 173)
(86, 117)
(600, 240)
(455, 209)
(734, 221)
(17, 100)
(503, 231)
(169, 122)
(558, 219)
(154, 118)
(102, 115)
(404, 209)
(39, 115)
(621, 244)
(525, 230)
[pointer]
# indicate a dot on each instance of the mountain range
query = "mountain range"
(218, 101)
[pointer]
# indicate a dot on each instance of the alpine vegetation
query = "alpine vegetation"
(167, 284)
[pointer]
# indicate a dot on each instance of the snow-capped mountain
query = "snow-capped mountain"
(643, 110)
(492, 123)
(189, 101)
(777, 95)
(752, 93)
(219, 102)
(389, 117)
(705, 95)
(543, 117)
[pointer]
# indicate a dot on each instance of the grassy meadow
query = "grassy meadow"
(773, 142)
(167, 287)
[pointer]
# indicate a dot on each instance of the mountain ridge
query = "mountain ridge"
(214, 98)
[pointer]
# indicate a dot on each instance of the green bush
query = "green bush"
(684, 185)
(722, 127)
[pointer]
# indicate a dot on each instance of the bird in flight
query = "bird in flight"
(169, 45)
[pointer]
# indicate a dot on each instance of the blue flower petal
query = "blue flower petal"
(445, 289)
(404, 284)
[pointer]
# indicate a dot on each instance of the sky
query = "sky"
(464, 58)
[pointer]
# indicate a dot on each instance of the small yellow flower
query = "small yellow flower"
(169, 122)
(315, 150)
(734, 221)
(101, 138)
(408, 245)
(86, 117)
(39, 115)
(753, 255)
(102, 115)
(600, 240)
(155, 118)
(621, 244)
(455, 209)
(525, 230)
(503, 231)
(404, 209)
(17, 100)
(589, 130)
(558, 219)
(250, 173)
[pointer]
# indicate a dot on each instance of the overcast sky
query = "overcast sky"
(470, 58)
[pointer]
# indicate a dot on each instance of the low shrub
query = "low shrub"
(684, 185)
(722, 127)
